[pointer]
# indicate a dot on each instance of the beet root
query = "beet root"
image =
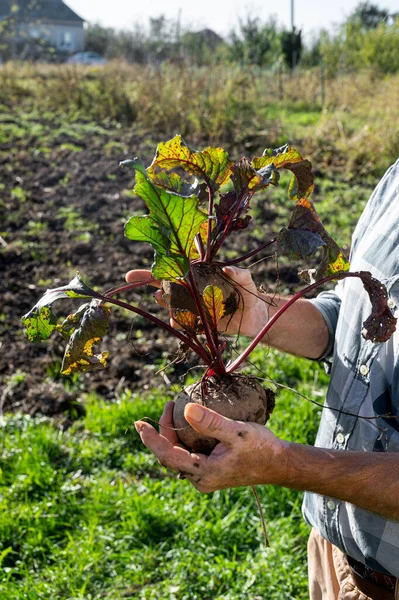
(236, 397)
(177, 296)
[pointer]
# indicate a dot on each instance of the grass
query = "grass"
(356, 129)
(88, 513)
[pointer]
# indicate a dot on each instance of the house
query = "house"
(51, 21)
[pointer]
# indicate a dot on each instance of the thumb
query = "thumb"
(210, 423)
(241, 276)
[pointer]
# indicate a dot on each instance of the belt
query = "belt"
(386, 582)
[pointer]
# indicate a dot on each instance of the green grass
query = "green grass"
(355, 131)
(88, 513)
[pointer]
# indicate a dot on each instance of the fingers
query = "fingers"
(169, 455)
(159, 298)
(166, 423)
(210, 423)
(241, 276)
(141, 276)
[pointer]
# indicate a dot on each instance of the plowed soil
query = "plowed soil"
(64, 211)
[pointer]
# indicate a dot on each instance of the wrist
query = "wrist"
(259, 317)
(274, 461)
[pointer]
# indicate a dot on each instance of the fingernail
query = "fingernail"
(194, 412)
(139, 427)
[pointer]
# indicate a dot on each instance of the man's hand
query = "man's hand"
(252, 313)
(248, 454)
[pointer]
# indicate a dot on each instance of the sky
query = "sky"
(219, 15)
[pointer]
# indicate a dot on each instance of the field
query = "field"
(86, 511)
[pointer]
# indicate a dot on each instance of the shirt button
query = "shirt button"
(331, 504)
(391, 303)
(340, 438)
(364, 369)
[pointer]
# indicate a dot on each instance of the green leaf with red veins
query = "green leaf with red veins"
(144, 229)
(179, 217)
(212, 165)
(40, 321)
(302, 183)
(170, 267)
(214, 304)
(92, 327)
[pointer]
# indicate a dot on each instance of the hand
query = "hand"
(248, 454)
(252, 313)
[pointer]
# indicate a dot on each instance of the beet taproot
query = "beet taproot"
(234, 396)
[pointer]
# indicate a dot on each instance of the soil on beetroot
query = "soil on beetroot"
(64, 212)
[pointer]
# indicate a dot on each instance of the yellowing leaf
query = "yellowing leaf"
(92, 327)
(40, 320)
(302, 183)
(185, 319)
(214, 304)
(213, 165)
(338, 263)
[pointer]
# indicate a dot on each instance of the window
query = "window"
(67, 39)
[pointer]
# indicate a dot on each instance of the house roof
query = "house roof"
(47, 10)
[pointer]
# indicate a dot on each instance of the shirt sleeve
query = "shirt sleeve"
(328, 304)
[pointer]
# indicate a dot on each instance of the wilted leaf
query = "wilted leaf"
(302, 183)
(40, 321)
(68, 326)
(212, 164)
(246, 178)
(214, 304)
(299, 244)
(381, 324)
(336, 263)
(305, 219)
(93, 325)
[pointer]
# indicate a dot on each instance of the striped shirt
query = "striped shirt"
(364, 382)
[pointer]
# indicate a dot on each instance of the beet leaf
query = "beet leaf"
(90, 324)
(170, 228)
(212, 165)
(302, 183)
(304, 235)
(40, 321)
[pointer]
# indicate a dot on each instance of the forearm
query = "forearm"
(301, 330)
(366, 479)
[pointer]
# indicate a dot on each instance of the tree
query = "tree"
(370, 15)
(255, 43)
(291, 42)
